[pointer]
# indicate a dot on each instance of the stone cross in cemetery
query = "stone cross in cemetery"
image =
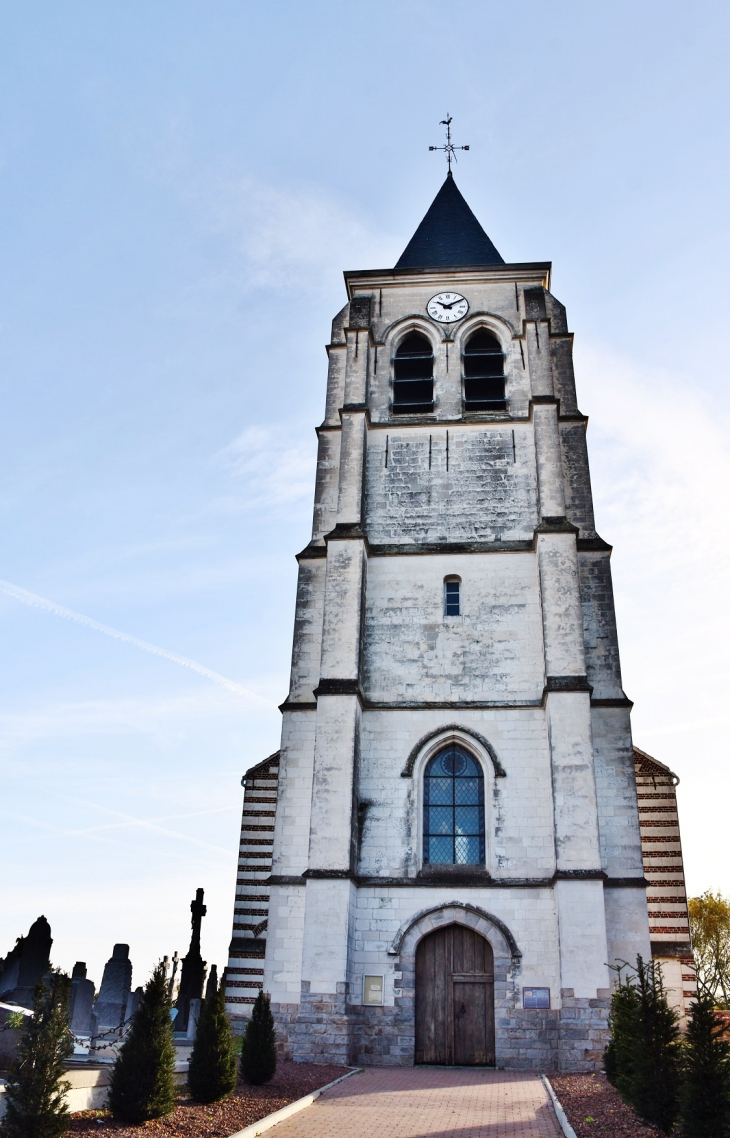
(173, 974)
(192, 976)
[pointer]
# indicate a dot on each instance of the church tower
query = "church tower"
(456, 857)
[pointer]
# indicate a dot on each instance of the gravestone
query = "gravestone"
(193, 1017)
(212, 986)
(111, 1005)
(82, 1000)
(192, 976)
(26, 964)
(133, 1000)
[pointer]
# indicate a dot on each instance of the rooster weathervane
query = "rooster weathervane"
(449, 149)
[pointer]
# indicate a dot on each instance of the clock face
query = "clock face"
(447, 307)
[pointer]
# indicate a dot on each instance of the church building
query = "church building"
(444, 860)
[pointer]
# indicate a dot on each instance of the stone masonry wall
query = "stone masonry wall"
(323, 1029)
(600, 638)
(492, 651)
(483, 489)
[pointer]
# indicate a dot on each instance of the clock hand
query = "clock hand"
(453, 302)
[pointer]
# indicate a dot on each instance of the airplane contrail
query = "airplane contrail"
(43, 603)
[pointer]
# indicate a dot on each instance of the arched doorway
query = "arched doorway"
(455, 998)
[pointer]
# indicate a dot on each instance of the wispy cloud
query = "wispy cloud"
(270, 469)
(660, 461)
(34, 601)
(288, 236)
(68, 719)
(274, 239)
(131, 820)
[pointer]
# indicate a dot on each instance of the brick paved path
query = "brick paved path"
(428, 1102)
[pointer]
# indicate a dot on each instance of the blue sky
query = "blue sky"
(181, 186)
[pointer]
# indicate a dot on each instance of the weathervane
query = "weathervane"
(449, 149)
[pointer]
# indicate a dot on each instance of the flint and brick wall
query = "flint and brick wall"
(244, 976)
(664, 869)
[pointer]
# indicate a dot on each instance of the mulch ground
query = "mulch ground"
(244, 1106)
(596, 1110)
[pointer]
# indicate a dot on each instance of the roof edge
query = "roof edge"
(643, 757)
(251, 772)
(531, 268)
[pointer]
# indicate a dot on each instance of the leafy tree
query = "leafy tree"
(709, 919)
(705, 1097)
(623, 1024)
(655, 1075)
(212, 1073)
(258, 1053)
(142, 1085)
(35, 1097)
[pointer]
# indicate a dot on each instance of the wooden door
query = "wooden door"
(455, 998)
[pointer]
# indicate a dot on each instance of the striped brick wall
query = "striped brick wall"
(661, 848)
(245, 971)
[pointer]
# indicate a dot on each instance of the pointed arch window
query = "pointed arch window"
(413, 376)
(484, 373)
(453, 809)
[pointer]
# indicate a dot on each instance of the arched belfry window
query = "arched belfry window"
(483, 373)
(453, 809)
(413, 376)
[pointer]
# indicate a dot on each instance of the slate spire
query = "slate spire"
(449, 235)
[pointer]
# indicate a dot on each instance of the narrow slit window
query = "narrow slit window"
(413, 376)
(484, 373)
(452, 598)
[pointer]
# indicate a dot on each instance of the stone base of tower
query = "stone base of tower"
(323, 1028)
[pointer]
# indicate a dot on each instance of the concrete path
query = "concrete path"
(428, 1102)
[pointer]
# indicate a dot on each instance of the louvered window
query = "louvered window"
(413, 376)
(453, 809)
(484, 373)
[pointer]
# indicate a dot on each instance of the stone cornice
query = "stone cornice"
(343, 532)
(555, 684)
(527, 271)
(466, 877)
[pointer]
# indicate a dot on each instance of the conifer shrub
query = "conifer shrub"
(643, 1057)
(656, 1054)
(35, 1097)
(618, 1057)
(258, 1053)
(212, 1073)
(705, 1096)
(142, 1081)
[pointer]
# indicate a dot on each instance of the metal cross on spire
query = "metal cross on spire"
(449, 149)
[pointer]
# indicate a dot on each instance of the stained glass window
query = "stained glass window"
(453, 808)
